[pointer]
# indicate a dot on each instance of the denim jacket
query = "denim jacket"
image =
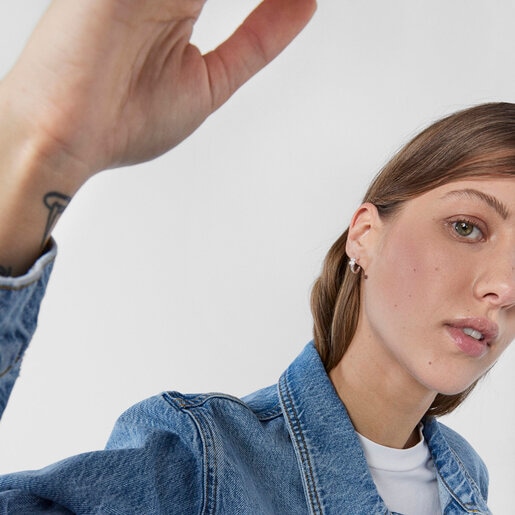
(287, 449)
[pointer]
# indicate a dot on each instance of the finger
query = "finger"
(261, 37)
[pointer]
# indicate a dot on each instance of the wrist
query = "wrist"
(37, 180)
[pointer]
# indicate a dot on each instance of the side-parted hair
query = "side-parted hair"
(475, 142)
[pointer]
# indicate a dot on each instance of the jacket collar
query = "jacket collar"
(333, 466)
(334, 470)
(455, 485)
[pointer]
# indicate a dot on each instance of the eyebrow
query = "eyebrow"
(493, 202)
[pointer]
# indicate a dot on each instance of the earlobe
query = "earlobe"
(362, 231)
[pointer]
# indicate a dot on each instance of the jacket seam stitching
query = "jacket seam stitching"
(205, 437)
(210, 474)
(187, 404)
(299, 436)
(455, 497)
(201, 399)
(471, 481)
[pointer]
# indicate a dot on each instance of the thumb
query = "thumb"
(260, 38)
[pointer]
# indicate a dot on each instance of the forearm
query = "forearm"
(36, 184)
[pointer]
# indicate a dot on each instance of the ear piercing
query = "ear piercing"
(354, 267)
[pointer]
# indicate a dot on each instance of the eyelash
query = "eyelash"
(454, 224)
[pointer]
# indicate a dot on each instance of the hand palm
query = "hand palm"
(125, 85)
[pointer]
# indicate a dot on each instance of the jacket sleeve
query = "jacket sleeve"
(153, 464)
(20, 299)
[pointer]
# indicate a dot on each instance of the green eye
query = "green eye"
(464, 228)
(468, 230)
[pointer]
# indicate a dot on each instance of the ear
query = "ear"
(363, 234)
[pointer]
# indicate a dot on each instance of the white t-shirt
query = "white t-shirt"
(405, 478)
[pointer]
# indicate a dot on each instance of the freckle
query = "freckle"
(414, 269)
(437, 269)
(395, 305)
(409, 296)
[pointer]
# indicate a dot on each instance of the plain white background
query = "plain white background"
(193, 272)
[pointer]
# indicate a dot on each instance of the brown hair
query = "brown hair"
(475, 142)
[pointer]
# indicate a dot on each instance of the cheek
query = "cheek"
(407, 277)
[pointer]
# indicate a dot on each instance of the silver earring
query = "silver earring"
(354, 267)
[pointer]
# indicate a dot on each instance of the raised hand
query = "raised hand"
(114, 82)
(104, 83)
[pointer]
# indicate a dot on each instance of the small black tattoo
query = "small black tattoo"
(6, 271)
(56, 202)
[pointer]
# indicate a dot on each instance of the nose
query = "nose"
(496, 285)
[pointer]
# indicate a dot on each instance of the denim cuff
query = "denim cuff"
(35, 272)
(20, 300)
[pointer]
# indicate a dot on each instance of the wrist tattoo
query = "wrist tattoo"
(56, 203)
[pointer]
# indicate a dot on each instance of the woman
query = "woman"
(295, 448)
(420, 276)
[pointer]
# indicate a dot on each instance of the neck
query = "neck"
(384, 402)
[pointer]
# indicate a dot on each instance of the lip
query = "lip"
(470, 346)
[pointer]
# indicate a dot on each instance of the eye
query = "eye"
(468, 230)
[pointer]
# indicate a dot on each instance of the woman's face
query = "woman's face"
(439, 297)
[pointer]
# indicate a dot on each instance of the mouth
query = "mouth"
(473, 336)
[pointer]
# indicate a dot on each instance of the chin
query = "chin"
(454, 386)
(452, 391)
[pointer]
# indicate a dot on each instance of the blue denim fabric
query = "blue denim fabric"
(286, 449)
(20, 298)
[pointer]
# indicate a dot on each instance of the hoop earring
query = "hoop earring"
(354, 267)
